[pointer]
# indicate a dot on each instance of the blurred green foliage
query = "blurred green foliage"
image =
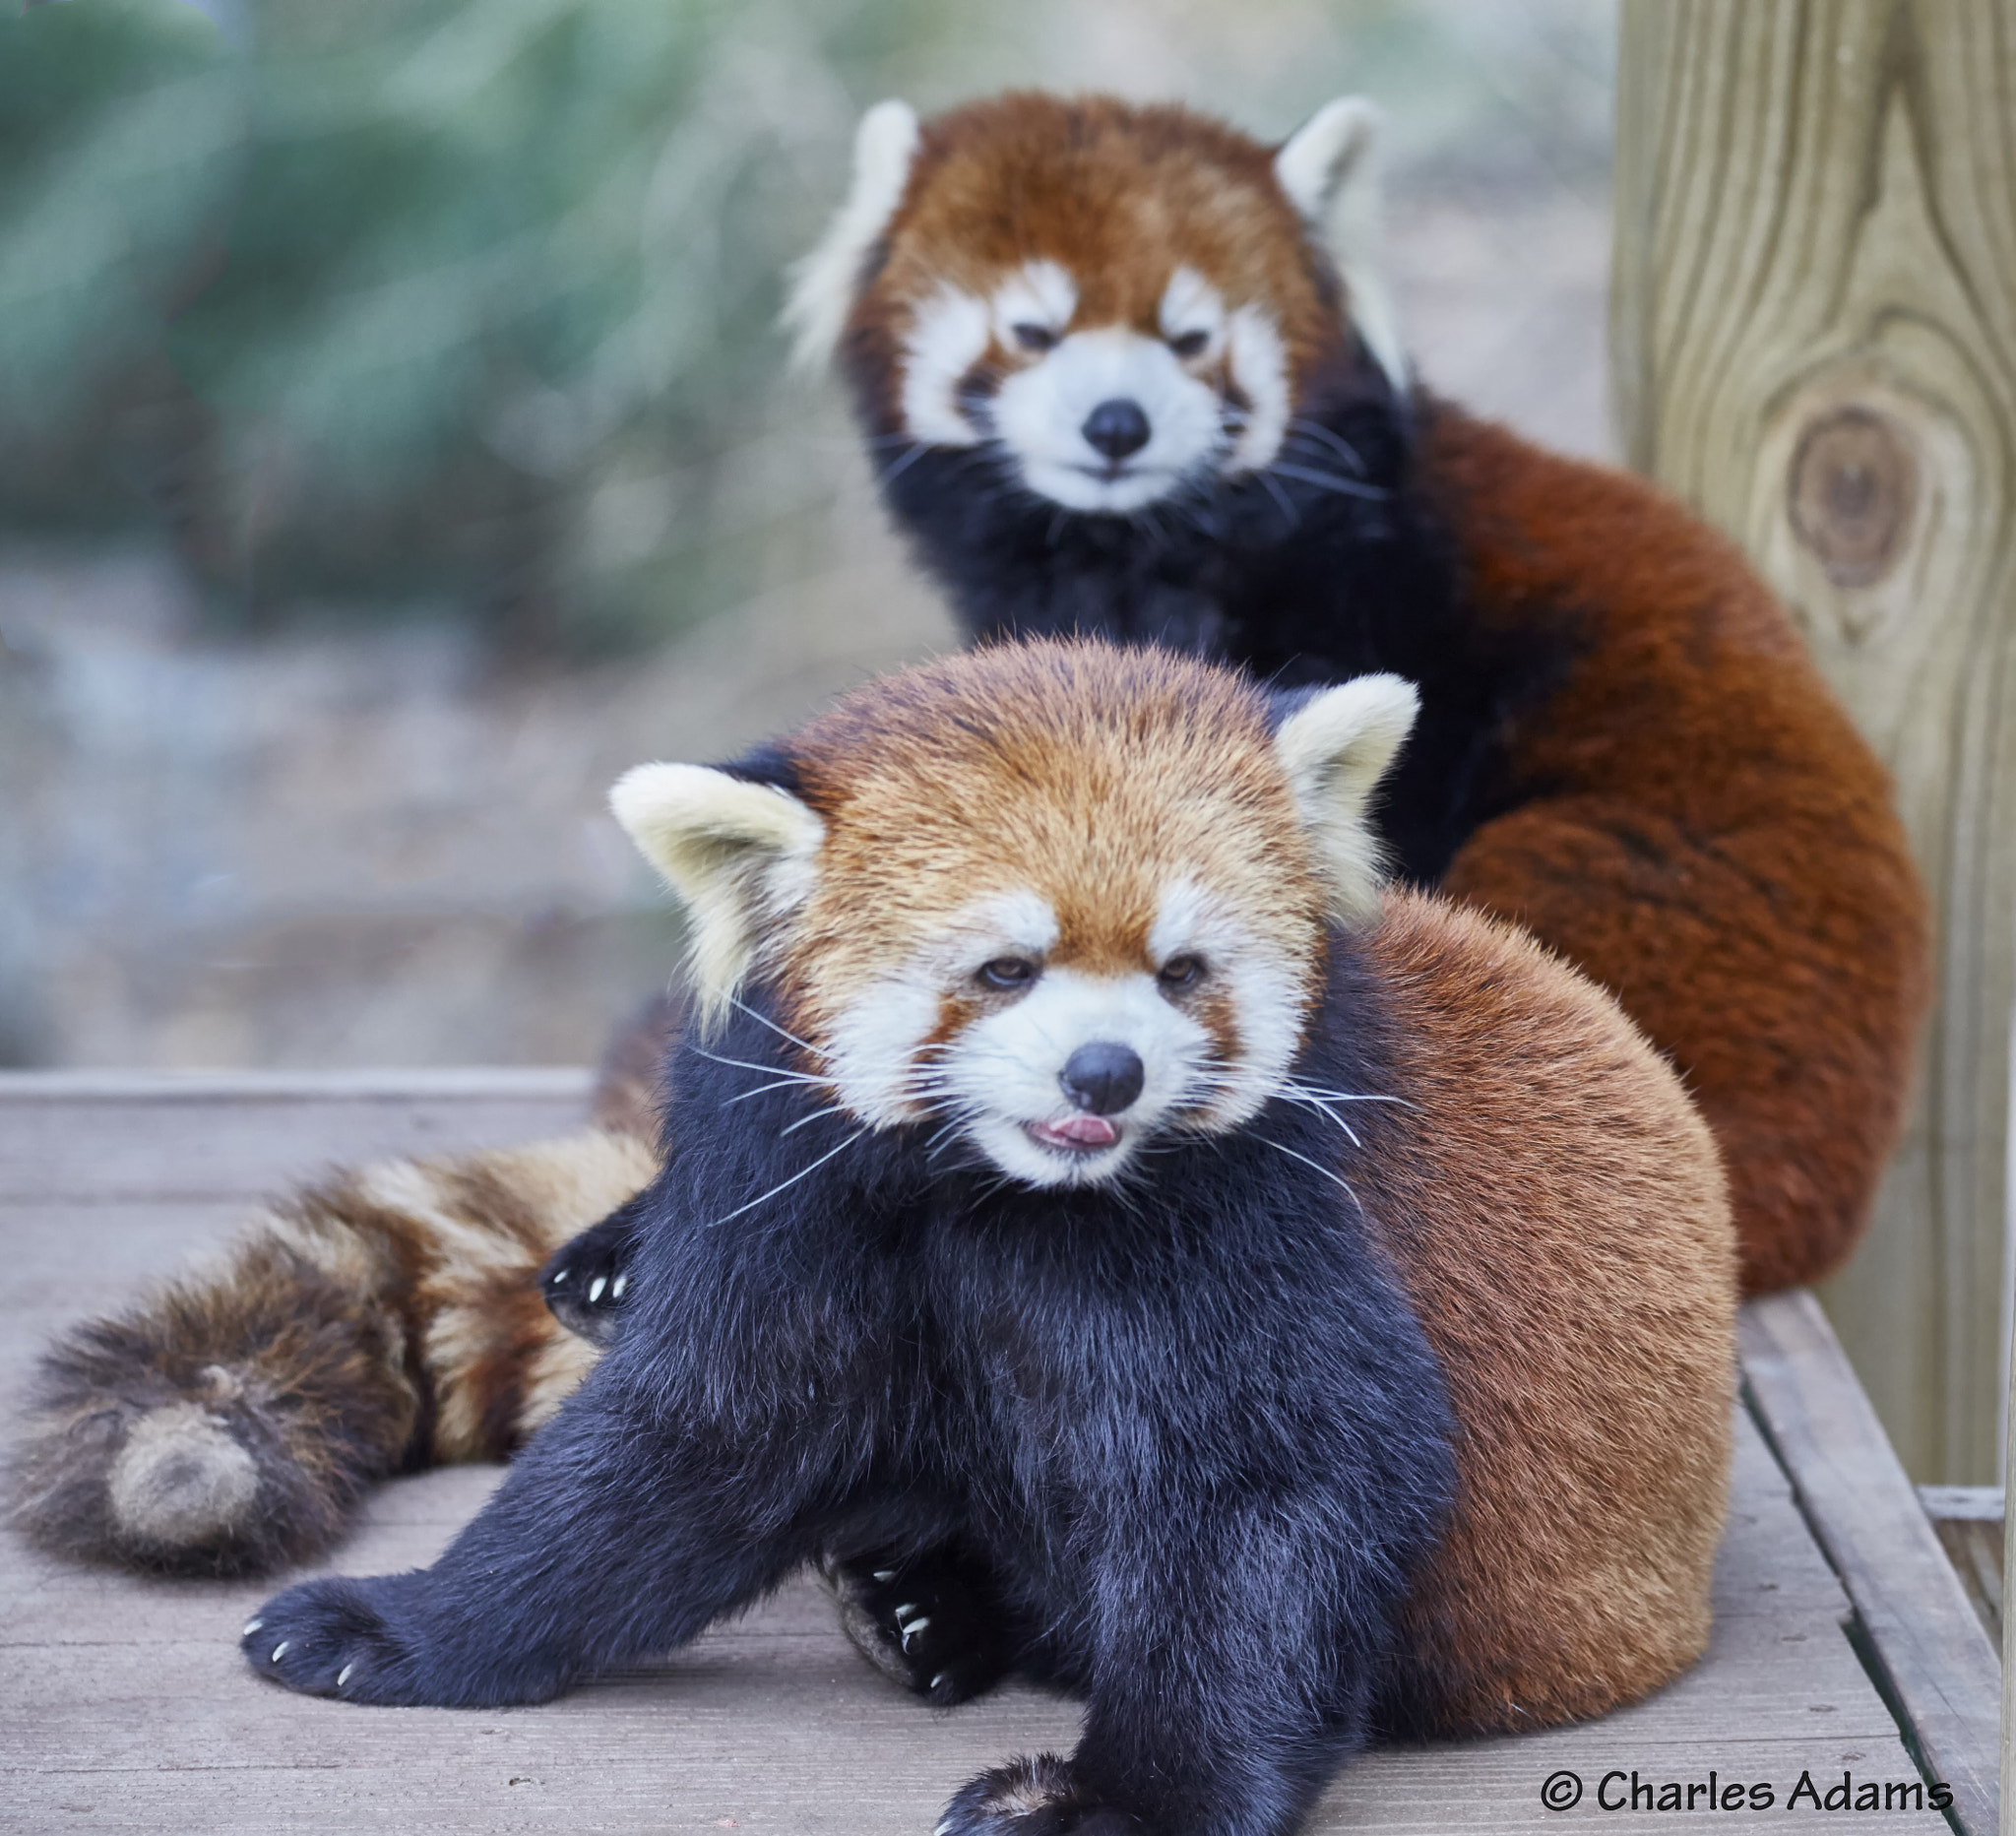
(420, 303)
(467, 306)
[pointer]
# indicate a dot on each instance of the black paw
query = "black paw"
(587, 1280)
(337, 1637)
(930, 1622)
(1032, 1798)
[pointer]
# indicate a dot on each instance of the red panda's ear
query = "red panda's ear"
(1329, 167)
(740, 855)
(1334, 748)
(823, 284)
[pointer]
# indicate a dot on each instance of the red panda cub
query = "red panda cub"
(1128, 371)
(1270, 1308)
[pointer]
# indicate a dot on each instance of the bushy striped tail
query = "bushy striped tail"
(384, 1318)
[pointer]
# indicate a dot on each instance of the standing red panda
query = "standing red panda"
(1129, 371)
(1273, 1310)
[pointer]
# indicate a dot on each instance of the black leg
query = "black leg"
(611, 1539)
(933, 1622)
(1228, 1683)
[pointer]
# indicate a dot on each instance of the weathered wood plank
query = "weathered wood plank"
(1814, 342)
(1938, 1661)
(126, 1707)
(98, 1137)
(123, 1704)
(1968, 1521)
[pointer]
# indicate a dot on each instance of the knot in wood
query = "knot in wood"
(1851, 493)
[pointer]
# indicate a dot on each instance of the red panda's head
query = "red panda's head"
(1121, 301)
(1064, 897)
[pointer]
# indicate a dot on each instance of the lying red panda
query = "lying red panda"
(1128, 371)
(1276, 1311)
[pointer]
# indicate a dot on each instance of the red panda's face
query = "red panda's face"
(1118, 304)
(1057, 901)
(1086, 408)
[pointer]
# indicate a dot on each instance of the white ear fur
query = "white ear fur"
(738, 854)
(1329, 167)
(1335, 748)
(822, 286)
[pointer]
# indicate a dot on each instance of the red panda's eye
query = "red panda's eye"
(1008, 972)
(1181, 972)
(1190, 345)
(1035, 336)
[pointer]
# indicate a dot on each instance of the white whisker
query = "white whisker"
(1335, 1179)
(1326, 481)
(783, 1033)
(807, 1120)
(768, 1070)
(1317, 1103)
(803, 1174)
(764, 1090)
(1314, 429)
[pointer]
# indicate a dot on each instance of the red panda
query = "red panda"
(1089, 1189)
(1128, 371)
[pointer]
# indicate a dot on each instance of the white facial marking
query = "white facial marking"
(1259, 365)
(874, 1067)
(1266, 995)
(1191, 306)
(948, 335)
(1041, 295)
(1040, 414)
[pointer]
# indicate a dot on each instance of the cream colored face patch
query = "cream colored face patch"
(949, 333)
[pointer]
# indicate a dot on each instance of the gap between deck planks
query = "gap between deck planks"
(123, 1704)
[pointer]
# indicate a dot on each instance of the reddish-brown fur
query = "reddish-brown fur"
(1787, 976)
(1571, 1260)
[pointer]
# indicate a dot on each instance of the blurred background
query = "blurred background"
(395, 444)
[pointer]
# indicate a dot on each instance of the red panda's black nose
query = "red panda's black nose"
(1103, 1078)
(1116, 427)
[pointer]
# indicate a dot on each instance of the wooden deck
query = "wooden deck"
(124, 1705)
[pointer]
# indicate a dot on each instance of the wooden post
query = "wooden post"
(1813, 341)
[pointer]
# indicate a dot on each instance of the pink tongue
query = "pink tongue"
(1085, 1131)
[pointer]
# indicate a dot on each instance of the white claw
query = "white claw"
(618, 1286)
(907, 1607)
(594, 1289)
(944, 1827)
(885, 1574)
(278, 1648)
(344, 1675)
(937, 1679)
(559, 1276)
(915, 1626)
(251, 1627)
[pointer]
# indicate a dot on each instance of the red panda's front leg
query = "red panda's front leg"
(1230, 1677)
(616, 1537)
